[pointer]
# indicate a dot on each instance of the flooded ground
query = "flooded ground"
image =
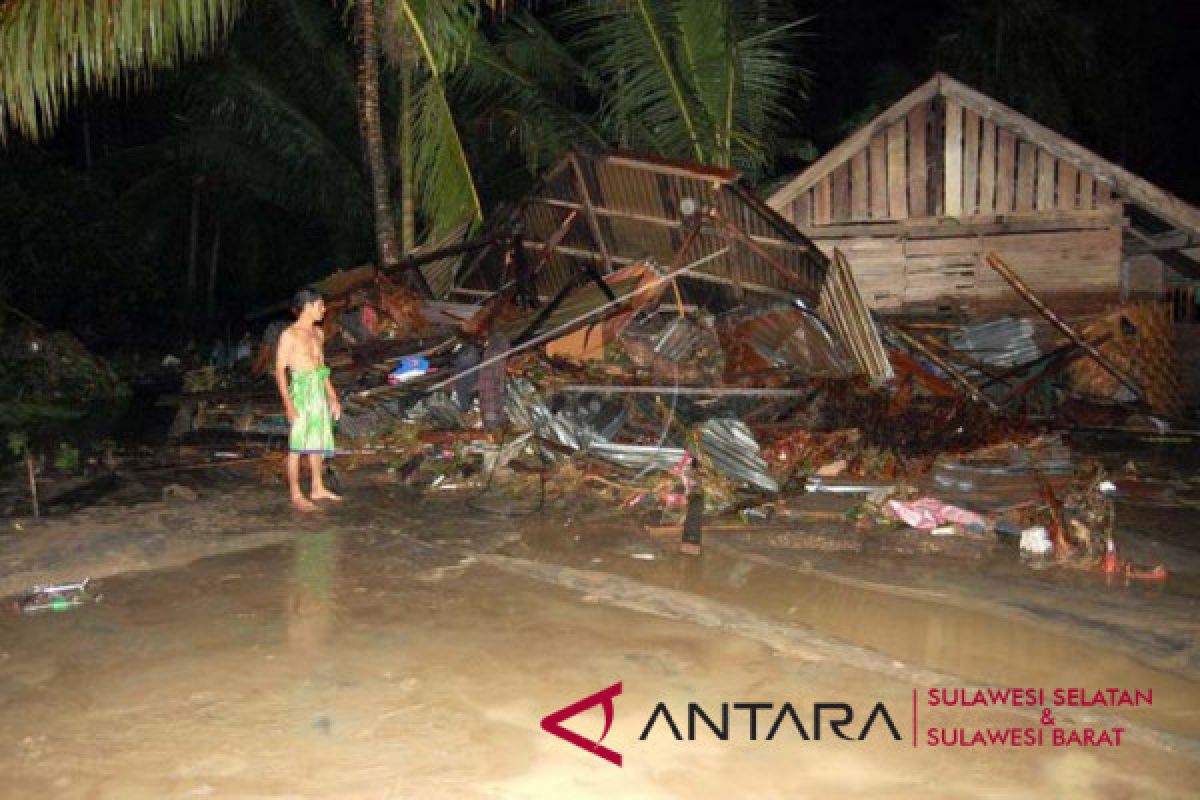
(409, 647)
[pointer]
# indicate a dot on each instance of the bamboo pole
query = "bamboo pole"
(994, 261)
(946, 367)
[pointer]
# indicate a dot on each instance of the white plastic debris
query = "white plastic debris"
(1036, 541)
(1107, 487)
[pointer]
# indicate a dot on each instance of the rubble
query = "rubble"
(676, 349)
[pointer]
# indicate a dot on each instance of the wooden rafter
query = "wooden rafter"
(589, 209)
(665, 222)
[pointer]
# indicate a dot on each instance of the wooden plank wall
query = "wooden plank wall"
(1077, 271)
(1060, 229)
(946, 160)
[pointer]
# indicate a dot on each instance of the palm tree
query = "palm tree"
(367, 32)
(707, 80)
(54, 52)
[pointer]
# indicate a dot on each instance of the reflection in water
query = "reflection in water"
(310, 599)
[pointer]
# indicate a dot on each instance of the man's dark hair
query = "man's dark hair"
(302, 298)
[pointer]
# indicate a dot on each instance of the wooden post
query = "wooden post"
(945, 366)
(995, 262)
(37, 512)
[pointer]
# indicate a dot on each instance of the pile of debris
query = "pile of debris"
(49, 375)
(649, 334)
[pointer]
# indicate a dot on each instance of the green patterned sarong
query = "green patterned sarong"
(312, 430)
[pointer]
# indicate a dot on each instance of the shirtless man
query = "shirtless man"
(309, 400)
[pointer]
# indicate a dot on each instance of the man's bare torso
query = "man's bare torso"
(302, 347)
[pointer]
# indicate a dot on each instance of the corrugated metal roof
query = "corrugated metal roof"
(612, 210)
(782, 336)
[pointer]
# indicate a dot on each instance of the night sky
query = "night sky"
(1117, 77)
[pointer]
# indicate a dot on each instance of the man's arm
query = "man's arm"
(283, 352)
(335, 405)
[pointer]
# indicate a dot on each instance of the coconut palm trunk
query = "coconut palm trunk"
(407, 162)
(386, 249)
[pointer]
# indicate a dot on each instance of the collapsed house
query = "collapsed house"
(920, 196)
(652, 331)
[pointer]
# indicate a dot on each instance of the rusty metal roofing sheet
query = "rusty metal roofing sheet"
(612, 210)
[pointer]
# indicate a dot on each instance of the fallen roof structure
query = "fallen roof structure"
(596, 213)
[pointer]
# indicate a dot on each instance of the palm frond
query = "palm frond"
(708, 43)
(250, 104)
(52, 51)
(634, 45)
(444, 178)
(768, 81)
(528, 113)
(430, 38)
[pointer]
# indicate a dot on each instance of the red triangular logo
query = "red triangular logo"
(552, 723)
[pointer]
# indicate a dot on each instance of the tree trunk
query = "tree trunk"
(210, 305)
(372, 133)
(193, 247)
(408, 214)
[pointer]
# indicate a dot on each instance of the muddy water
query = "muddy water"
(914, 626)
(375, 658)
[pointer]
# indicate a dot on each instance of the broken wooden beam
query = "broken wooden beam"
(1004, 271)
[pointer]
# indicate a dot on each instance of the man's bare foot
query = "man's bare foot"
(302, 503)
(325, 494)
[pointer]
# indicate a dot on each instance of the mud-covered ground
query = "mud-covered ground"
(408, 645)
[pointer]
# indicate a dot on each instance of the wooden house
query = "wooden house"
(920, 195)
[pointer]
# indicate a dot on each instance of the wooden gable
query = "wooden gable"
(946, 150)
(941, 158)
